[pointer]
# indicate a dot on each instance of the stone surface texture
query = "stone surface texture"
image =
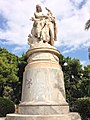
(70, 116)
(43, 83)
(2, 118)
(44, 27)
(43, 92)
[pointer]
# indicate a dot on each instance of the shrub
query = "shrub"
(6, 106)
(83, 107)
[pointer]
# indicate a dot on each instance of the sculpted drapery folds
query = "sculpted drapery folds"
(44, 27)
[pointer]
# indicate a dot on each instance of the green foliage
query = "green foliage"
(10, 75)
(84, 83)
(86, 72)
(77, 84)
(8, 66)
(72, 75)
(21, 65)
(83, 107)
(6, 106)
(84, 87)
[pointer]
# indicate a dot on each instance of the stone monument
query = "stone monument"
(43, 91)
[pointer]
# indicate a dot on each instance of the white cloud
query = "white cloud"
(17, 13)
(71, 29)
(71, 21)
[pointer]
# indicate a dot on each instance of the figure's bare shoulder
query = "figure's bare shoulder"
(38, 15)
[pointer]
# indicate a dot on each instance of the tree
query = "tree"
(72, 76)
(89, 52)
(11, 75)
(84, 84)
(21, 65)
(87, 26)
(8, 74)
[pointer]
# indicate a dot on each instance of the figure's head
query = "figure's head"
(38, 8)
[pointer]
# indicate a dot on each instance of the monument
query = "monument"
(43, 91)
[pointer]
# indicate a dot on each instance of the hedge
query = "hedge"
(82, 105)
(6, 106)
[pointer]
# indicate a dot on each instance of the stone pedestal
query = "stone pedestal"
(43, 93)
(70, 116)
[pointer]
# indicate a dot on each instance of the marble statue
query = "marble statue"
(44, 27)
(43, 91)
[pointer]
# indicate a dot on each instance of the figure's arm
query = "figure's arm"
(34, 19)
(48, 9)
(40, 15)
(50, 15)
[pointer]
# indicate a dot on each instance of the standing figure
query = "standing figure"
(52, 27)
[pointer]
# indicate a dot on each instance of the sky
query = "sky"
(71, 16)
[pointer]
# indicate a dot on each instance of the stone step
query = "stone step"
(69, 116)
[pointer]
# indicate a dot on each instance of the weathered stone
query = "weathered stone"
(43, 109)
(43, 84)
(69, 116)
(43, 91)
(44, 27)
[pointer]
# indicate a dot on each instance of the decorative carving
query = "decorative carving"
(44, 27)
(29, 82)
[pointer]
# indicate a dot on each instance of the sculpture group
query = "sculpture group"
(43, 90)
(44, 27)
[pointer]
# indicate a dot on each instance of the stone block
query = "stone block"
(69, 116)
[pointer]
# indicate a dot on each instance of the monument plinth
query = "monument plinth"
(43, 91)
(43, 84)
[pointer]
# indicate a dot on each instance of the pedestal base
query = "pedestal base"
(44, 109)
(69, 116)
(43, 93)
